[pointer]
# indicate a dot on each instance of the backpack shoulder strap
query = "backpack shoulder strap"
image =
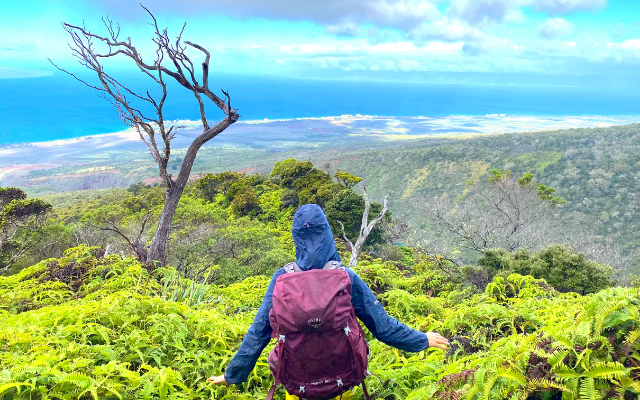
(291, 267)
(333, 265)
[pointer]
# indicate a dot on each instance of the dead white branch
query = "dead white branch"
(365, 228)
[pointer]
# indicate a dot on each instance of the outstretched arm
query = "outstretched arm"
(385, 328)
(254, 342)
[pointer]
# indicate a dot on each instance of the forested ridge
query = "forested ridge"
(83, 316)
(596, 170)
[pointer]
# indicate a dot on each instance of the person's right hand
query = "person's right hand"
(217, 379)
(437, 340)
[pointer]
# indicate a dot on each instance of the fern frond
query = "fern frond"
(512, 375)
(8, 386)
(607, 370)
(587, 389)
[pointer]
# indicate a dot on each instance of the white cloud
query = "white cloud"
(313, 48)
(394, 47)
(381, 50)
(401, 35)
(554, 28)
(13, 73)
(339, 15)
(442, 48)
(630, 44)
(446, 29)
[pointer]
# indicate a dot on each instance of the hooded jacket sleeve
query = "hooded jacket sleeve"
(254, 341)
(385, 328)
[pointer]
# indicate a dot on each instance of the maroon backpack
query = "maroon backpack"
(321, 351)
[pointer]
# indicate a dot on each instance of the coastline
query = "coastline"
(519, 123)
(121, 158)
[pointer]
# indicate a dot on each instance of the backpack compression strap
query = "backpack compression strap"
(277, 382)
(293, 267)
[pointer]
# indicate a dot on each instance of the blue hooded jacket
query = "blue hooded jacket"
(314, 248)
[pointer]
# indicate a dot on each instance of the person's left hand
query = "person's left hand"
(437, 340)
(217, 379)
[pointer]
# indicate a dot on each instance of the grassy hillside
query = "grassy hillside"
(596, 170)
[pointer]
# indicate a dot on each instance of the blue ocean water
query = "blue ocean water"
(58, 107)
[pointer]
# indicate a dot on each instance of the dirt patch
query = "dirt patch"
(247, 170)
(43, 178)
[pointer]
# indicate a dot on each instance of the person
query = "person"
(315, 246)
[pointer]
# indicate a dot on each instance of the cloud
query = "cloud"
(14, 73)
(554, 28)
(490, 45)
(563, 7)
(627, 51)
(632, 44)
(17, 47)
(473, 48)
(347, 29)
(395, 50)
(316, 49)
(495, 11)
(447, 30)
(481, 11)
(340, 15)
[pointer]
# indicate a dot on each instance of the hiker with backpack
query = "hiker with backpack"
(311, 307)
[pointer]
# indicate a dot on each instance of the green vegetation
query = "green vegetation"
(94, 322)
(21, 223)
(558, 265)
(86, 326)
(228, 226)
(596, 170)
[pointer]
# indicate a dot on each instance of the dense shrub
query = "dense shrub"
(560, 266)
(246, 203)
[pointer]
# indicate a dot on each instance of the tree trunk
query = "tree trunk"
(157, 251)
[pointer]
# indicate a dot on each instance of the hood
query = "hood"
(313, 238)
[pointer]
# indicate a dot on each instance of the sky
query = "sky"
(556, 42)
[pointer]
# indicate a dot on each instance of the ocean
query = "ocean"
(58, 107)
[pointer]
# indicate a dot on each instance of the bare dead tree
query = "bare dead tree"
(604, 251)
(365, 228)
(506, 214)
(171, 60)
